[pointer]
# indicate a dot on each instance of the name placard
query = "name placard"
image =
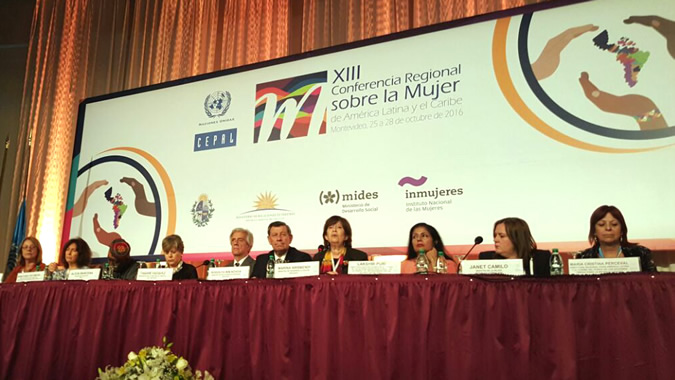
(30, 276)
(374, 267)
(89, 274)
(227, 273)
(154, 274)
(509, 267)
(291, 270)
(602, 266)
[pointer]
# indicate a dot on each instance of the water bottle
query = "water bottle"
(441, 266)
(422, 264)
(107, 273)
(158, 264)
(212, 264)
(556, 263)
(270, 267)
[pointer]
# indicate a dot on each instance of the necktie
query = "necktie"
(279, 261)
(236, 264)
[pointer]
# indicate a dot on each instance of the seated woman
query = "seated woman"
(608, 235)
(74, 255)
(425, 237)
(172, 249)
(337, 238)
(513, 240)
(30, 259)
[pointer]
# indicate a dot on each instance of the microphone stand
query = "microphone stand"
(476, 241)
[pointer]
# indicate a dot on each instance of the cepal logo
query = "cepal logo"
(292, 107)
(217, 103)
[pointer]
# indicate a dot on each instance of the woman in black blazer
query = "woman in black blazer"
(608, 235)
(172, 249)
(337, 238)
(513, 240)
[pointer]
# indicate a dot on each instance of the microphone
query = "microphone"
(206, 262)
(320, 249)
(476, 241)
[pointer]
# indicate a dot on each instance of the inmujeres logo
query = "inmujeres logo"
(292, 107)
(425, 199)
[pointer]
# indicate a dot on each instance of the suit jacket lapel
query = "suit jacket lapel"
(290, 255)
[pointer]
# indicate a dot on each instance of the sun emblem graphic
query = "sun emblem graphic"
(266, 201)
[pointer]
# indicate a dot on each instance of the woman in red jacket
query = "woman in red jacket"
(30, 260)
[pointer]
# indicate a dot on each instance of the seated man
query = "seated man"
(242, 240)
(119, 255)
(280, 237)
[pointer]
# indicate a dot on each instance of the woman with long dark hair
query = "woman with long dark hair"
(75, 254)
(424, 237)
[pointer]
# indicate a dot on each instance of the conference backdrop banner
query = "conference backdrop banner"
(543, 116)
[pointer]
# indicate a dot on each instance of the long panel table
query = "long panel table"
(380, 327)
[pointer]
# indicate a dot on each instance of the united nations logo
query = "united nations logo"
(202, 211)
(217, 103)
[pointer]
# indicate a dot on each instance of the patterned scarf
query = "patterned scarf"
(327, 263)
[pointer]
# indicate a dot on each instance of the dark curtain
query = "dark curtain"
(387, 327)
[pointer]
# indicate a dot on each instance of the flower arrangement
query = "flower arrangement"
(153, 363)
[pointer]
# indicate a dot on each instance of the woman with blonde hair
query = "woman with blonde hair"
(30, 259)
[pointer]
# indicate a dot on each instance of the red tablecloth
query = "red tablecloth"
(386, 327)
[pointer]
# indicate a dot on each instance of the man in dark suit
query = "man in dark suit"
(280, 237)
(242, 240)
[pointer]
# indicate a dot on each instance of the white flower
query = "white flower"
(152, 363)
(181, 364)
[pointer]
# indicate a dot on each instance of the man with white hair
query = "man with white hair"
(242, 240)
